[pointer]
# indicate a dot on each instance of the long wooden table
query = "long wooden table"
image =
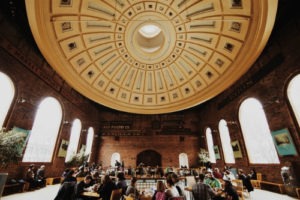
(91, 194)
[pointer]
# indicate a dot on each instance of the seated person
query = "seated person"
(217, 174)
(106, 188)
(69, 177)
(66, 191)
(30, 177)
(83, 186)
(121, 183)
(159, 193)
(212, 181)
(40, 176)
(132, 190)
(229, 190)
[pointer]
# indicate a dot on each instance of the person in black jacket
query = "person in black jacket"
(66, 191)
(246, 180)
(83, 186)
(106, 188)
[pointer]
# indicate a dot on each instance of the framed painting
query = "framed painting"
(237, 152)
(25, 136)
(217, 152)
(63, 148)
(283, 142)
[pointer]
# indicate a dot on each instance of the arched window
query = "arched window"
(210, 146)
(256, 133)
(226, 142)
(44, 132)
(183, 160)
(114, 157)
(89, 142)
(293, 93)
(74, 139)
(7, 91)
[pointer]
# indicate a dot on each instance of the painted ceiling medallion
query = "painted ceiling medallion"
(151, 56)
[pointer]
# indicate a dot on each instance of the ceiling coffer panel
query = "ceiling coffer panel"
(151, 56)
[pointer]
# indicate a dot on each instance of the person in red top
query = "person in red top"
(217, 174)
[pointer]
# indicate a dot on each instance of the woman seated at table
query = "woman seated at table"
(159, 193)
(132, 190)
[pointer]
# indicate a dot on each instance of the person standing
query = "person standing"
(202, 191)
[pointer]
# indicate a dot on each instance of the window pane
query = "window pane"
(89, 142)
(256, 133)
(226, 142)
(210, 146)
(7, 91)
(74, 139)
(44, 132)
(293, 93)
(183, 160)
(114, 157)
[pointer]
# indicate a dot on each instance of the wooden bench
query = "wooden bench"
(12, 188)
(239, 187)
(255, 184)
(278, 185)
(53, 180)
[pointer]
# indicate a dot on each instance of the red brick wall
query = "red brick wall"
(168, 146)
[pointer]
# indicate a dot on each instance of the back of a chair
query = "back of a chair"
(128, 197)
(238, 184)
(116, 194)
(177, 198)
(259, 176)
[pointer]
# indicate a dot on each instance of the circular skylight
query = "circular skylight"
(150, 30)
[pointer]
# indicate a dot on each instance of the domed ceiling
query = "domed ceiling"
(153, 56)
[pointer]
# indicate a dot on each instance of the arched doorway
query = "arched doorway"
(149, 158)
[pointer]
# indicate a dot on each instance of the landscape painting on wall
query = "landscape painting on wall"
(283, 142)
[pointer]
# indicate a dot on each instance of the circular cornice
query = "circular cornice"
(201, 48)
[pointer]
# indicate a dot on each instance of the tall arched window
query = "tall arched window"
(114, 157)
(89, 142)
(210, 146)
(226, 142)
(7, 91)
(256, 133)
(293, 93)
(44, 132)
(74, 139)
(183, 160)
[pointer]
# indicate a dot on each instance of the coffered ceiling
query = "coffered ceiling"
(152, 56)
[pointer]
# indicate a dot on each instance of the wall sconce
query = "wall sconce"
(214, 131)
(231, 122)
(21, 100)
(83, 130)
(66, 122)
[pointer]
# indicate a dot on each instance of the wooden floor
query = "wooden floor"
(49, 192)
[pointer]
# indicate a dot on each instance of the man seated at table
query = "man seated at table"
(212, 181)
(83, 186)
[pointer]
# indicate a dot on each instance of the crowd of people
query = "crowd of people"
(210, 184)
